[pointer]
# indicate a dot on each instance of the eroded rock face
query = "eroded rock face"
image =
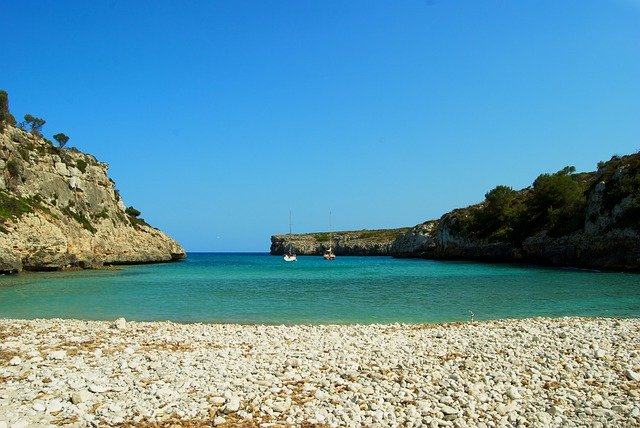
(60, 210)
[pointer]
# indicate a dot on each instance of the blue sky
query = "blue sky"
(218, 117)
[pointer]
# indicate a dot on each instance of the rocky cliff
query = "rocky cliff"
(604, 232)
(349, 243)
(59, 209)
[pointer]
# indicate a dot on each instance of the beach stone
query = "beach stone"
(367, 390)
(448, 410)
(39, 407)
(98, 389)
(292, 362)
(58, 355)
(513, 393)
(3, 424)
(219, 420)
(555, 410)
(280, 406)
(54, 406)
(81, 397)
(218, 401)
(544, 418)
(631, 375)
(20, 424)
(15, 361)
(233, 405)
(120, 324)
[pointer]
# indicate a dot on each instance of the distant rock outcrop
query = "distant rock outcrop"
(351, 243)
(59, 209)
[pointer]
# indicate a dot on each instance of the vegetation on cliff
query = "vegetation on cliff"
(589, 220)
(555, 203)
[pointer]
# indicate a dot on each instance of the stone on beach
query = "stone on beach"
(120, 323)
(81, 397)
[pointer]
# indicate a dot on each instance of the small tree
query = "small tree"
(5, 116)
(35, 123)
(61, 139)
(132, 212)
(558, 202)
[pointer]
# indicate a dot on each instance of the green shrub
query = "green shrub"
(322, 237)
(132, 212)
(137, 223)
(101, 215)
(84, 222)
(81, 164)
(12, 207)
(13, 168)
(558, 202)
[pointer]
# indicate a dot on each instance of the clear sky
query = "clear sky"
(218, 117)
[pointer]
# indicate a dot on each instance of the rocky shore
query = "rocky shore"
(533, 372)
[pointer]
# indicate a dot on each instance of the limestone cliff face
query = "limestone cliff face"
(59, 209)
(350, 243)
(609, 238)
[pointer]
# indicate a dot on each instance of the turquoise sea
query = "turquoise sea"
(259, 288)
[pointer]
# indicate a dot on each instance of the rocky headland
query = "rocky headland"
(344, 243)
(59, 209)
(535, 372)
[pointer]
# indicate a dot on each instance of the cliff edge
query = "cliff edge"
(59, 209)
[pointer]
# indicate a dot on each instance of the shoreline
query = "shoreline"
(533, 371)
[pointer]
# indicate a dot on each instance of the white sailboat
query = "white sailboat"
(289, 254)
(329, 254)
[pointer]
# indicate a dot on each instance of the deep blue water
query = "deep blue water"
(259, 288)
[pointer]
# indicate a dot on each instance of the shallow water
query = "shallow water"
(259, 288)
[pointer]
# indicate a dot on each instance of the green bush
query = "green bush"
(12, 207)
(13, 168)
(81, 164)
(132, 212)
(558, 202)
(84, 222)
(322, 237)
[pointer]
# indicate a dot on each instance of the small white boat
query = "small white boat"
(329, 254)
(290, 255)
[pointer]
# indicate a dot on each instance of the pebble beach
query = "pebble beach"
(531, 372)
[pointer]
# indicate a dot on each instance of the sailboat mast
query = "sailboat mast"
(330, 232)
(289, 230)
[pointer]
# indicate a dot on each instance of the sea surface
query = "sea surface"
(260, 288)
